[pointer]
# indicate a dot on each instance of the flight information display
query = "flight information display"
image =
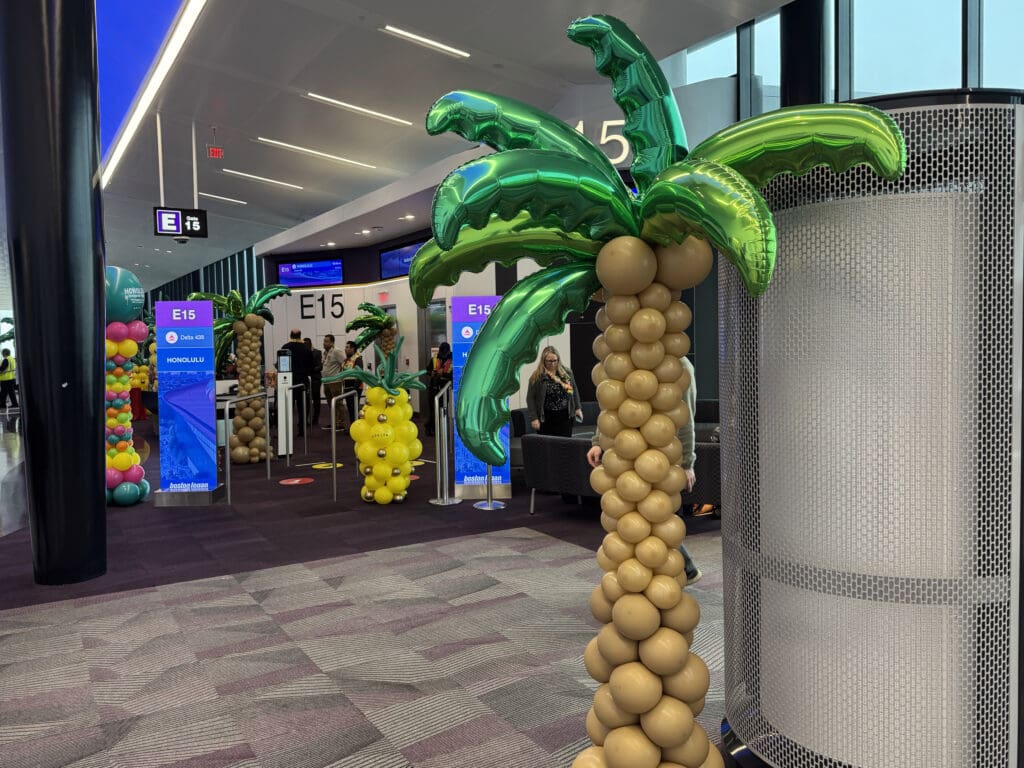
(301, 274)
(395, 262)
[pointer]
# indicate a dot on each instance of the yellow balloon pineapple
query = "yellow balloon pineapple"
(386, 439)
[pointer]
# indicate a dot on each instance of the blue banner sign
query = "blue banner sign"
(468, 316)
(185, 368)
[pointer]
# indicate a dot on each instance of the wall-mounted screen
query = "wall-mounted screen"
(300, 274)
(395, 262)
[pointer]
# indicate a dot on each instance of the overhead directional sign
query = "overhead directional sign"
(179, 222)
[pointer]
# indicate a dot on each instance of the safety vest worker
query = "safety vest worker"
(7, 366)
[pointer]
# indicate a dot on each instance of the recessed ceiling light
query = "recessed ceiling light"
(136, 263)
(146, 266)
(261, 178)
(407, 217)
(221, 197)
(323, 245)
(425, 41)
(357, 109)
(186, 20)
(366, 231)
(314, 152)
(331, 244)
(168, 251)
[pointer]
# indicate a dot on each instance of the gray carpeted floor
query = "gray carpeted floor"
(461, 652)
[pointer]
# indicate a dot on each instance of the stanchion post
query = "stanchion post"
(490, 503)
(229, 431)
(441, 405)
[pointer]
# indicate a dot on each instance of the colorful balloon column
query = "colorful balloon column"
(125, 478)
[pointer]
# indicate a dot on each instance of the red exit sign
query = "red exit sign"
(214, 153)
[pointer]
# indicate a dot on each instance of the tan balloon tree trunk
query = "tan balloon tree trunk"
(249, 441)
(652, 684)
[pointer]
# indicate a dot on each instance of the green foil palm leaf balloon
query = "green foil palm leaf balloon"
(534, 308)
(797, 139)
(653, 126)
(503, 123)
(550, 186)
(502, 242)
(540, 179)
(259, 300)
(715, 203)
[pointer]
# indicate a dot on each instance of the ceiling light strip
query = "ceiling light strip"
(314, 152)
(221, 197)
(182, 27)
(355, 108)
(260, 178)
(425, 41)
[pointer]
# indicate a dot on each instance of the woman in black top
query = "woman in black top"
(552, 398)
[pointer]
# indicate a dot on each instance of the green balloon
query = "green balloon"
(653, 126)
(125, 297)
(504, 242)
(534, 308)
(555, 188)
(126, 494)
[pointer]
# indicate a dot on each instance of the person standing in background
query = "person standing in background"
(440, 373)
(302, 367)
(352, 360)
(687, 436)
(8, 372)
(552, 399)
(314, 380)
(333, 360)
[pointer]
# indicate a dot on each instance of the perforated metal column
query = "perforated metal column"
(871, 496)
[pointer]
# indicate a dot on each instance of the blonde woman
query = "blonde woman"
(552, 398)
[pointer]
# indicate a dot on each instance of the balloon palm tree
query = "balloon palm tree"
(375, 325)
(549, 194)
(242, 323)
(7, 335)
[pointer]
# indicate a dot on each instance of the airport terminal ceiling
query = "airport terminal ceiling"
(261, 80)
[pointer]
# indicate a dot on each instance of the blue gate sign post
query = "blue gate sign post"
(188, 434)
(468, 314)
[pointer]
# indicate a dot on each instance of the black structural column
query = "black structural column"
(55, 233)
(802, 41)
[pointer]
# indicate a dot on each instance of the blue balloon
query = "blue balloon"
(143, 489)
(111, 365)
(110, 496)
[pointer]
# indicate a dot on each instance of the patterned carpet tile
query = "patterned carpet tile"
(457, 653)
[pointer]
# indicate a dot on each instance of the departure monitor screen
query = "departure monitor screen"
(395, 263)
(301, 274)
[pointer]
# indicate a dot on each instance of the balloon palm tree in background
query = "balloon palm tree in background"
(7, 335)
(549, 194)
(242, 324)
(375, 325)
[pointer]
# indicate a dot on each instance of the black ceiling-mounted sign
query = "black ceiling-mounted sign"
(179, 222)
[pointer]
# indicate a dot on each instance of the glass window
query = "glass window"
(767, 64)
(1002, 66)
(912, 45)
(715, 58)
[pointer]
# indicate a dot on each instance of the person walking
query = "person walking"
(552, 399)
(8, 373)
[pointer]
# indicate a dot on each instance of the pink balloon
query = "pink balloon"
(134, 473)
(111, 395)
(126, 395)
(138, 330)
(119, 359)
(114, 478)
(117, 331)
(107, 431)
(119, 429)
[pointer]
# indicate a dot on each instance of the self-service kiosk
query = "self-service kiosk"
(284, 402)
